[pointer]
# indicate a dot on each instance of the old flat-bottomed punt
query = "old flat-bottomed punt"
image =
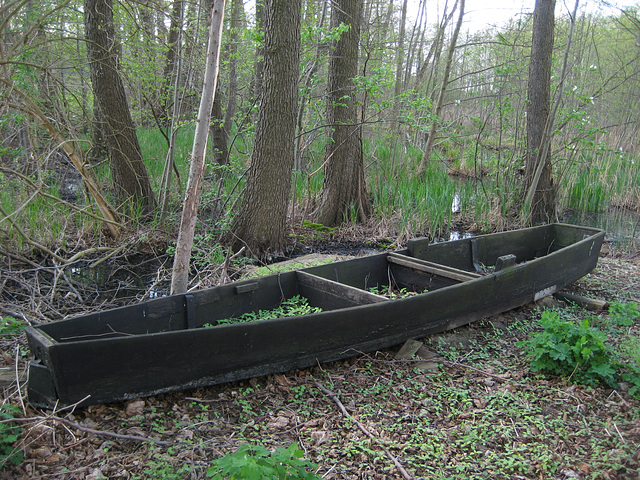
(161, 345)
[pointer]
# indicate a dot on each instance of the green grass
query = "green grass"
(596, 182)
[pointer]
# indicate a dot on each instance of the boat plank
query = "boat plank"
(431, 267)
(351, 295)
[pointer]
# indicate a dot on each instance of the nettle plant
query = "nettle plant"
(580, 351)
(255, 462)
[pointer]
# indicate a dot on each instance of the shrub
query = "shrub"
(254, 462)
(571, 349)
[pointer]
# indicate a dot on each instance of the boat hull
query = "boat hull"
(160, 345)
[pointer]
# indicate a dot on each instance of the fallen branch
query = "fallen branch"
(103, 433)
(43, 248)
(363, 429)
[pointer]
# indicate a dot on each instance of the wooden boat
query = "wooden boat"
(161, 345)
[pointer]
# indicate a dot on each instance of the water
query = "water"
(147, 279)
(622, 225)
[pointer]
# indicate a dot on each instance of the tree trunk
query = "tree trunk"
(344, 193)
(443, 90)
(543, 204)
(258, 78)
(399, 84)
(184, 244)
(217, 131)
(232, 88)
(128, 170)
(261, 221)
(171, 60)
(307, 78)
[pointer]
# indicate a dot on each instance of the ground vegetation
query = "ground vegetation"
(469, 405)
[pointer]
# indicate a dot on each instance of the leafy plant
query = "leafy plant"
(9, 434)
(255, 462)
(318, 227)
(623, 313)
(630, 352)
(571, 349)
(10, 326)
(393, 294)
(292, 307)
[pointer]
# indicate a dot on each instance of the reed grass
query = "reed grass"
(597, 182)
(39, 218)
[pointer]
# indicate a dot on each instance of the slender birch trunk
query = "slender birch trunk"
(180, 276)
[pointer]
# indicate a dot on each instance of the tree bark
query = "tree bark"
(443, 90)
(125, 157)
(542, 206)
(258, 78)
(232, 84)
(217, 131)
(184, 244)
(261, 220)
(171, 60)
(344, 192)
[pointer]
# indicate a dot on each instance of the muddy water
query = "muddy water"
(622, 225)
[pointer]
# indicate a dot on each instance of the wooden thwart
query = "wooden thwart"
(355, 295)
(430, 267)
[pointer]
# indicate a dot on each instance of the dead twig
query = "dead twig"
(77, 426)
(363, 429)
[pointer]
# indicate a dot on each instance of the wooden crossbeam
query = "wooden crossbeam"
(431, 267)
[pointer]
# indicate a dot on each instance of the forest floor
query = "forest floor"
(469, 408)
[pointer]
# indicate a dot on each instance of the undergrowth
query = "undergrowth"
(255, 462)
(583, 353)
(294, 306)
(9, 434)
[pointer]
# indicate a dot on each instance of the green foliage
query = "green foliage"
(9, 434)
(294, 306)
(164, 469)
(629, 352)
(393, 294)
(286, 267)
(623, 314)
(254, 462)
(318, 227)
(10, 326)
(571, 349)
(580, 351)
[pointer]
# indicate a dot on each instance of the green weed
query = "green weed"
(297, 305)
(580, 351)
(9, 434)
(10, 326)
(255, 462)
(574, 350)
(623, 314)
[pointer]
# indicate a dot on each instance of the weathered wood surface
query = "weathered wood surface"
(431, 267)
(155, 351)
(338, 292)
(505, 261)
(584, 302)
(8, 377)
